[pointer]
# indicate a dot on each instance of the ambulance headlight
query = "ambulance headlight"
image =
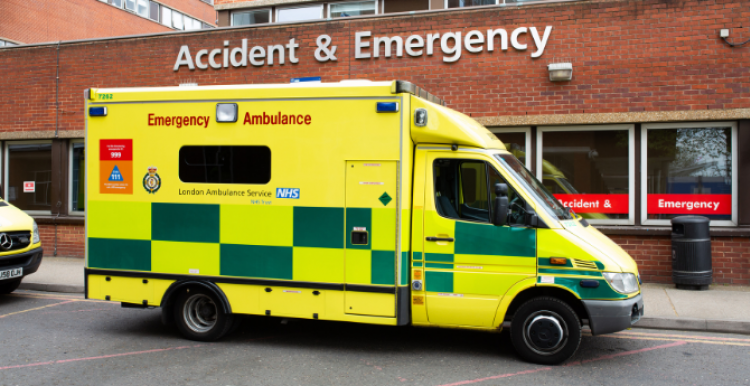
(34, 234)
(226, 112)
(625, 283)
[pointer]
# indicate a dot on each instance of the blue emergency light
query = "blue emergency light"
(97, 111)
(387, 107)
(306, 80)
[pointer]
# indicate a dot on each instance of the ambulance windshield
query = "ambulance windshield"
(553, 206)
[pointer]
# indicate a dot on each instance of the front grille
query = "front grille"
(584, 264)
(21, 240)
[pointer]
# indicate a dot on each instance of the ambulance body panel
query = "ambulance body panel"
(361, 202)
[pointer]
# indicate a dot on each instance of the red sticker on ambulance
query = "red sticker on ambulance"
(116, 150)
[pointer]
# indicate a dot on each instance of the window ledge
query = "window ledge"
(66, 220)
(666, 231)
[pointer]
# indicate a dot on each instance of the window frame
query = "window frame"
(270, 16)
(72, 212)
(487, 165)
(6, 163)
(321, 7)
(329, 5)
(497, 2)
(527, 134)
(631, 162)
(689, 125)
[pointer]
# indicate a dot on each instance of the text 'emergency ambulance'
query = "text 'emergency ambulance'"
(178, 121)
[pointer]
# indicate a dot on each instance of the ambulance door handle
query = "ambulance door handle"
(433, 238)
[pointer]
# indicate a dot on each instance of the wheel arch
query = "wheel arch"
(531, 292)
(170, 296)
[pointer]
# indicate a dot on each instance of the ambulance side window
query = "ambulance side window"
(461, 189)
(225, 164)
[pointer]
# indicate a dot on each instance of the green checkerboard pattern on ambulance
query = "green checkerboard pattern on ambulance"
(248, 241)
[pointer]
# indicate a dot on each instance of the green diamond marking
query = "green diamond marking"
(385, 199)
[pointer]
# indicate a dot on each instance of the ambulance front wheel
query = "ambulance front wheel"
(199, 316)
(545, 330)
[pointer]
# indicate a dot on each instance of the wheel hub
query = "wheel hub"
(200, 313)
(545, 332)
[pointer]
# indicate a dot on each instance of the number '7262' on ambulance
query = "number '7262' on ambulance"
(364, 202)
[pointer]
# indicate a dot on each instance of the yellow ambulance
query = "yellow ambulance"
(366, 202)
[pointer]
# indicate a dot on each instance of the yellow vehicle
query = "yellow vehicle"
(366, 202)
(20, 248)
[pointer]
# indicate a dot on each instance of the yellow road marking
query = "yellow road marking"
(683, 336)
(721, 343)
(38, 308)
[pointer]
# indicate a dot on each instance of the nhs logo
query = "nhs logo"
(287, 193)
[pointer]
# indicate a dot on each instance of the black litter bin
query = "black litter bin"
(691, 252)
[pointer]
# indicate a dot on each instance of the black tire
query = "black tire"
(545, 330)
(199, 316)
(8, 286)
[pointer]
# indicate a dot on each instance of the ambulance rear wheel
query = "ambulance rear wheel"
(545, 330)
(199, 316)
(8, 286)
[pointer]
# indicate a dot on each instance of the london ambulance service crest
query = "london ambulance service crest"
(151, 181)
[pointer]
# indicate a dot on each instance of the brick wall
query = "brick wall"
(730, 258)
(38, 21)
(70, 240)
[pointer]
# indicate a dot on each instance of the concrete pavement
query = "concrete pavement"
(720, 309)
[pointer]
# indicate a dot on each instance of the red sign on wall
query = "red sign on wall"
(689, 203)
(595, 203)
(116, 166)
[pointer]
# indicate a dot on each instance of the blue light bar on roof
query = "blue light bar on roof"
(387, 107)
(97, 111)
(306, 80)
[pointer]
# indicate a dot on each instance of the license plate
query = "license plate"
(11, 273)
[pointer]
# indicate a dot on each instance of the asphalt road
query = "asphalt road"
(48, 339)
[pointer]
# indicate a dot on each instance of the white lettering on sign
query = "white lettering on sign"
(689, 205)
(292, 292)
(366, 46)
(29, 186)
(194, 271)
(359, 229)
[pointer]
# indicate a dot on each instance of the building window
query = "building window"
(177, 21)
(251, 17)
(77, 177)
(130, 5)
(357, 8)
(517, 141)
(469, 3)
(314, 12)
(142, 8)
(117, 3)
(689, 170)
(28, 175)
(192, 24)
(153, 13)
(225, 164)
(590, 169)
(166, 16)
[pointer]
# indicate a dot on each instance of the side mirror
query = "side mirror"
(500, 213)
